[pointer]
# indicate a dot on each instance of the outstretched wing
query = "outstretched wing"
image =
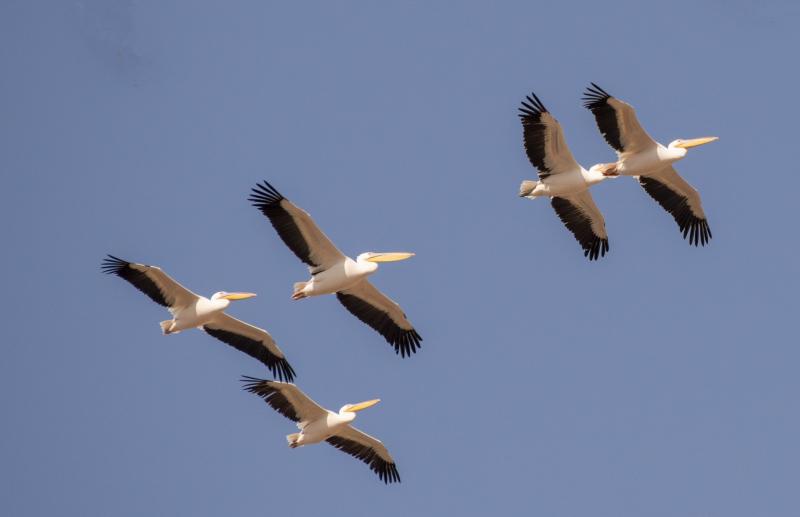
(253, 341)
(681, 200)
(297, 229)
(151, 281)
(367, 449)
(375, 309)
(582, 217)
(286, 399)
(544, 140)
(617, 121)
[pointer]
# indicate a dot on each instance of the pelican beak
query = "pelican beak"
(390, 256)
(694, 142)
(239, 296)
(363, 405)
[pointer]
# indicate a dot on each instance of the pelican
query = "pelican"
(333, 272)
(562, 179)
(190, 310)
(317, 424)
(648, 161)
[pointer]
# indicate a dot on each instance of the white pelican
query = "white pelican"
(317, 424)
(190, 310)
(640, 156)
(334, 272)
(562, 178)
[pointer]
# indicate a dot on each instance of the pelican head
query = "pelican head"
(352, 409)
(223, 295)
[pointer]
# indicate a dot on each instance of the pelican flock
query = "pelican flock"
(560, 177)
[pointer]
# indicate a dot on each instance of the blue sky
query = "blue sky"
(661, 380)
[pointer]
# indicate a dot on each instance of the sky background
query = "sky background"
(660, 381)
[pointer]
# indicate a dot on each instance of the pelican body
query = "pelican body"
(334, 272)
(202, 311)
(561, 178)
(571, 182)
(344, 274)
(650, 162)
(190, 310)
(323, 428)
(652, 159)
(318, 424)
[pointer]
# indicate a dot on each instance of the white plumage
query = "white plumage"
(650, 162)
(190, 310)
(334, 272)
(561, 178)
(318, 424)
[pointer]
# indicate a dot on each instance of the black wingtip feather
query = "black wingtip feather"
(251, 383)
(405, 342)
(112, 265)
(271, 395)
(535, 132)
(531, 111)
(279, 366)
(693, 228)
(596, 248)
(580, 225)
(386, 471)
(595, 97)
(267, 199)
(264, 196)
(283, 370)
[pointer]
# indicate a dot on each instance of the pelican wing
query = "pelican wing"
(297, 229)
(375, 309)
(286, 399)
(253, 341)
(544, 139)
(151, 281)
(367, 449)
(582, 217)
(681, 200)
(617, 121)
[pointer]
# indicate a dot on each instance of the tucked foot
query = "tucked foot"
(292, 439)
(167, 327)
(298, 293)
(608, 169)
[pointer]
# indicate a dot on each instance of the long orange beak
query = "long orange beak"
(390, 257)
(239, 296)
(363, 405)
(694, 142)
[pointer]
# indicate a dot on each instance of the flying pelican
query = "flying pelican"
(317, 424)
(333, 272)
(648, 161)
(190, 310)
(561, 178)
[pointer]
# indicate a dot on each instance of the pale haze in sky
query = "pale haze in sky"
(659, 381)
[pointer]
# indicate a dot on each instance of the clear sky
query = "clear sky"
(660, 381)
